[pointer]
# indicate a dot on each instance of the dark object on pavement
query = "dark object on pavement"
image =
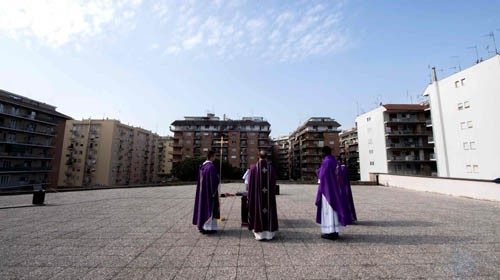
(244, 210)
(277, 189)
(38, 195)
(497, 180)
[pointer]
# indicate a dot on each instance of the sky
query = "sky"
(150, 62)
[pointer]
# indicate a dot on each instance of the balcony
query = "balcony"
(430, 140)
(397, 133)
(7, 170)
(404, 120)
(26, 130)
(428, 123)
(28, 117)
(28, 143)
(25, 156)
(408, 146)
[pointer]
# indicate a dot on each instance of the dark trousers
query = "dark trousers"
(244, 210)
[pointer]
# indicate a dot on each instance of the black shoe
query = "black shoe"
(330, 236)
(209, 231)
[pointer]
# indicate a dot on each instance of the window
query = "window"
(368, 119)
(468, 168)
(463, 125)
(466, 104)
(462, 81)
(370, 151)
(456, 84)
(466, 146)
(472, 145)
(460, 106)
(475, 168)
(233, 156)
(372, 163)
(469, 124)
(4, 179)
(332, 142)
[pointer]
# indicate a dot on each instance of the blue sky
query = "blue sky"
(150, 62)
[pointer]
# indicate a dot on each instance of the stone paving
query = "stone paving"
(146, 233)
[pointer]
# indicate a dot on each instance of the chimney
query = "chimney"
(434, 75)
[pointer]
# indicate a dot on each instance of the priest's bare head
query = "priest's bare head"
(210, 155)
(262, 154)
(327, 151)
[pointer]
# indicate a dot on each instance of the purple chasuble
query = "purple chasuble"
(330, 189)
(345, 184)
(262, 212)
(206, 202)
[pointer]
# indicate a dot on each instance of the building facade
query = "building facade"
(241, 139)
(281, 160)
(165, 156)
(306, 143)
(30, 142)
(108, 153)
(464, 111)
(395, 139)
(349, 152)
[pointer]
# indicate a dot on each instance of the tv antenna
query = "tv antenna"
(492, 35)
(457, 58)
(477, 53)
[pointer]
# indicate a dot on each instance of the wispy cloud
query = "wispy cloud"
(56, 23)
(239, 28)
(223, 28)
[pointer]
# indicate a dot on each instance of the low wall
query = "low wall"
(478, 189)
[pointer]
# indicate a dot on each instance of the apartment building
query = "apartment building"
(29, 142)
(464, 110)
(241, 139)
(108, 153)
(281, 160)
(165, 153)
(395, 139)
(306, 143)
(349, 152)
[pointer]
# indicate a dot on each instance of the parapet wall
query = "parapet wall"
(477, 189)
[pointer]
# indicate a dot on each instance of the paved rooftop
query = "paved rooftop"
(146, 233)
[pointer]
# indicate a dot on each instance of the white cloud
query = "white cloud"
(56, 23)
(239, 28)
(173, 50)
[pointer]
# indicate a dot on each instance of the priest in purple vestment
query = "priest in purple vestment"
(345, 186)
(263, 215)
(206, 203)
(332, 212)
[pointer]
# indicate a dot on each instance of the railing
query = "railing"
(28, 130)
(404, 120)
(27, 169)
(24, 155)
(28, 117)
(28, 143)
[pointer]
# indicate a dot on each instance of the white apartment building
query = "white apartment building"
(465, 117)
(394, 138)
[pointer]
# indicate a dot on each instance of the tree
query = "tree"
(187, 170)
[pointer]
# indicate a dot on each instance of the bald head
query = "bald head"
(262, 154)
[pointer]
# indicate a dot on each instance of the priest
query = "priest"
(263, 215)
(206, 203)
(345, 186)
(332, 212)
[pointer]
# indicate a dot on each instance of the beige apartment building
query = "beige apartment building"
(108, 153)
(165, 155)
(281, 160)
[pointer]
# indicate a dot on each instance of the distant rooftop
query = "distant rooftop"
(405, 107)
(30, 103)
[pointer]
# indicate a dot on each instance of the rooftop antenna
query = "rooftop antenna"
(458, 61)
(492, 35)
(357, 108)
(477, 53)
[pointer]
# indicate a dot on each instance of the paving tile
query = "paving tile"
(147, 233)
